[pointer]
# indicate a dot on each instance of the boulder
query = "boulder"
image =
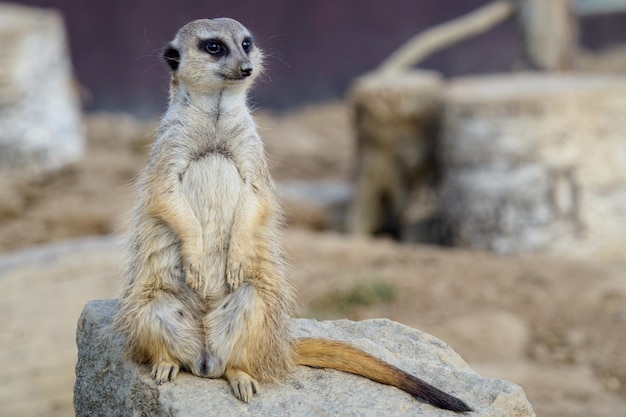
(40, 119)
(107, 384)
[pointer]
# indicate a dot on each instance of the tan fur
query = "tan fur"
(206, 287)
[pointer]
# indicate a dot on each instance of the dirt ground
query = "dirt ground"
(557, 327)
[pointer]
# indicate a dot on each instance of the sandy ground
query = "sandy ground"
(557, 327)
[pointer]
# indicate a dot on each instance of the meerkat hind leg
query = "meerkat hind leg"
(228, 327)
(166, 333)
(243, 385)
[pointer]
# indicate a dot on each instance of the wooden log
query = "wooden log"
(395, 117)
(536, 163)
(444, 35)
(595, 7)
(40, 126)
(550, 30)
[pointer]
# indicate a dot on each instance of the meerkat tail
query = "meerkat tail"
(323, 353)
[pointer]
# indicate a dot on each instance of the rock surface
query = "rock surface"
(107, 384)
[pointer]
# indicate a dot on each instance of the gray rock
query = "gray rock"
(40, 118)
(109, 385)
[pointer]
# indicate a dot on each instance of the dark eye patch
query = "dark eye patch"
(246, 45)
(213, 47)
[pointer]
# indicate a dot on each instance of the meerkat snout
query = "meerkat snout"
(246, 70)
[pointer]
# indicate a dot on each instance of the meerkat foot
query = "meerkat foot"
(243, 385)
(164, 371)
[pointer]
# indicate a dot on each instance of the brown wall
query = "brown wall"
(315, 47)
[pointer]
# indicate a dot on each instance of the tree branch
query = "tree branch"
(439, 37)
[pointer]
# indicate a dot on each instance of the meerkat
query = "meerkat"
(206, 287)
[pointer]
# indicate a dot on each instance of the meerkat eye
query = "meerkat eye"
(246, 45)
(213, 47)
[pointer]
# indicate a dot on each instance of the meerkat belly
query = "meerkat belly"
(213, 188)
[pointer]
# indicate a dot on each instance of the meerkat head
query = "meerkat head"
(211, 55)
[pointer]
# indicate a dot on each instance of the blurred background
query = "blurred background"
(315, 49)
(471, 185)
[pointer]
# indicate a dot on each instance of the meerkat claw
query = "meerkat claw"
(234, 276)
(193, 279)
(243, 385)
(164, 372)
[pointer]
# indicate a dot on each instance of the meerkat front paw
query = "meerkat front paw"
(243, 385)
(192, 259)
(164, 371)
(238, 264)
(234, 275)
(193, 278)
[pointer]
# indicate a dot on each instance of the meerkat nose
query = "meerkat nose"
(246, 70)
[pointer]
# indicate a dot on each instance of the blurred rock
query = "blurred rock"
(536, 163)
(108, 384)
(40, 126)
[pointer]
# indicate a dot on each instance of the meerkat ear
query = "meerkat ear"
(172, 57)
